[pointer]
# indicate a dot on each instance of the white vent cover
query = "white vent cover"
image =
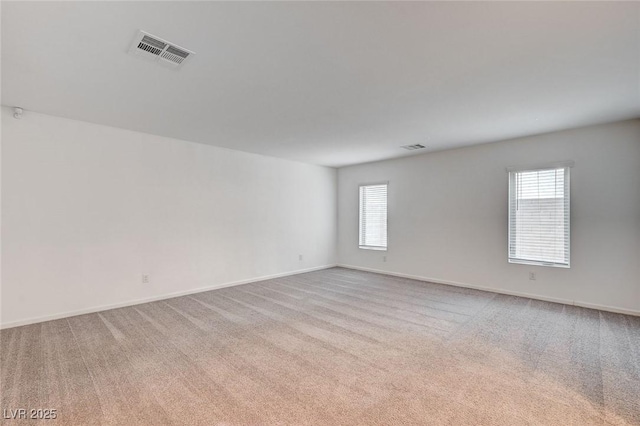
(158, 50)
(412, 147)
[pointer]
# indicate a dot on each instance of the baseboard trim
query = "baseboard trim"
(101, 308)
(497, 290)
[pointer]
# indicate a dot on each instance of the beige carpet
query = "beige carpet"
(328, 348)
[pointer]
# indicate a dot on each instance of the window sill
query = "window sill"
(373, 248)
(538, 263)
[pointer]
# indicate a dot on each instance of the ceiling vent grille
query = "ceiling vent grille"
(158, 50)
(413, 147)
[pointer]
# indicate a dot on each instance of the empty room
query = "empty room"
(320, 213)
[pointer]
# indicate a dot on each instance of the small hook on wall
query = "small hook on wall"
(17, 113)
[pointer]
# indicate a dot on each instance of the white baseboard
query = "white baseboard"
(500, 291)
(155, 298)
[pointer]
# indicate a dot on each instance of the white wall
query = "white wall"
(448, 216)
(87, 209)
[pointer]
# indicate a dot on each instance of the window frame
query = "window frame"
(360, 211)
(567, 165)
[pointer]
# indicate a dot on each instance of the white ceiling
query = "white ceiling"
(332, 83)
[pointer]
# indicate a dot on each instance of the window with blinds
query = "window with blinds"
(373, 217)
(539, 216)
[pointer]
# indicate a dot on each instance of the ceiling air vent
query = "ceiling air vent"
(158, 50)
(413, 147)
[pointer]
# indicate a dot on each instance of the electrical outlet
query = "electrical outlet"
(145, 278)
(299, 257)
(532, 276)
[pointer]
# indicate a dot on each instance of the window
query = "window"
(539, 216)
(373, 217)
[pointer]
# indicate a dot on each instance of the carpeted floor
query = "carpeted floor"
(330, 347)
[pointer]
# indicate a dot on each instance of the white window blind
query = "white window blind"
(539, 216)
(373, 217)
